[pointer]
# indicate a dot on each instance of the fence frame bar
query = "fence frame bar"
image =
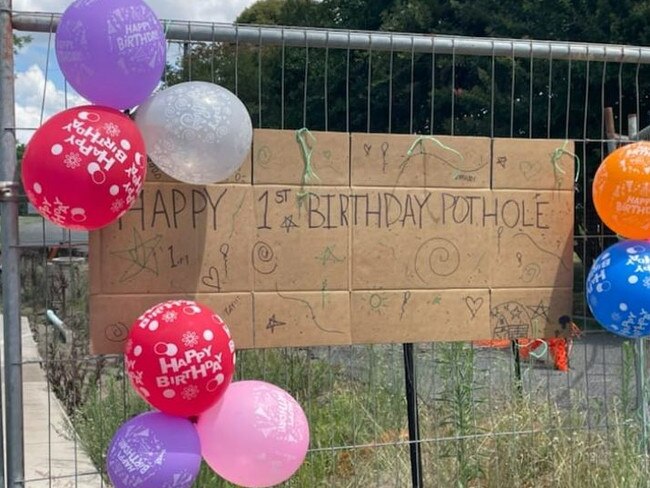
(363, 40)
(9, 179)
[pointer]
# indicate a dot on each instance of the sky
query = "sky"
(41, 90)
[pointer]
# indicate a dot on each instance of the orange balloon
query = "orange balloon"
(621, 191)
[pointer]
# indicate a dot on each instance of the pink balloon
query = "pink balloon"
(257, 435)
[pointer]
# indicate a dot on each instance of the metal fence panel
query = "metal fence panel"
(485, 419)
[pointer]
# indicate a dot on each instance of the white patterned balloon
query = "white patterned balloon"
(196, 132)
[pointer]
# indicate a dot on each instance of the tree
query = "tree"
(290, 87)
(20, 42)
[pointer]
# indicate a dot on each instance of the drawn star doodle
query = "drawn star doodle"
(141, 255)
(516, 312)
(541, 310)
(273, 323)
(328, 256)
(288, 223)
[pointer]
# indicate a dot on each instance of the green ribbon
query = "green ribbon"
(420, 140)
(557, 155)
(308, 174)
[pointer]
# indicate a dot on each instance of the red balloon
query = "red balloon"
(84, 167)
(180, 357)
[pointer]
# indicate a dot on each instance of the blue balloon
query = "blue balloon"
(618, 289)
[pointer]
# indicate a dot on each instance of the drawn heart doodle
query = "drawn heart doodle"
(530, 169)
(367, 148)
(212, 279)
(474, 305)
(327, 154)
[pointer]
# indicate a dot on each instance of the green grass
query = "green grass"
(511, 441)
(358, 418)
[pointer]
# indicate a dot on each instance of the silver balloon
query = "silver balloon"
(196, 132)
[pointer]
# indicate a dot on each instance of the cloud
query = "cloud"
(30, 80)
(30, 87)
(201, 10)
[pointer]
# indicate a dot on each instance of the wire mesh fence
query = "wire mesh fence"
(486, 417)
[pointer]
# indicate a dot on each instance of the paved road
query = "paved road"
(595, 377)
(52, 457)
(34, 232)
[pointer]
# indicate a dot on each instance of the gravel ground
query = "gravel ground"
(595, 378)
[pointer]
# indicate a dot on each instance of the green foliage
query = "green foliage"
(20, 42)
(505, 442)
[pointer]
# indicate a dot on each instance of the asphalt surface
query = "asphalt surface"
(36, 232)
(598, 370)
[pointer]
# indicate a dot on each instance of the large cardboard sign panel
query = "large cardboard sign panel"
(391, 238)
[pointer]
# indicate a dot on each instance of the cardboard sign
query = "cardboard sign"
(398, 238)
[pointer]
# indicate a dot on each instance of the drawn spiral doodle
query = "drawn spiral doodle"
(263, 258)
(117, 332)
(436, 257)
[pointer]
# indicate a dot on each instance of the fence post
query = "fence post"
(10, 258)
(413, 416)
(640, 362)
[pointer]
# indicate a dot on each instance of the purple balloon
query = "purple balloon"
(111, 51)
(154, 450)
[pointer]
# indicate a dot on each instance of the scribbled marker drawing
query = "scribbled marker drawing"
(263, 258)
(500, 231)
(541, 310)
(436, 257)
(367, 148)
(288, 223)
(212, 279)
(225, 250)
(405, 301)
(234, 216)
(473, 305)
(141, 256)
(273, 323)
(530, 169)
(116, 332)
(323, 291)
(510, 320)
(328, 256)
(545, 251)
(530, 272)
(384, 154)
(312, 314)
(263, 156)
(377, 302)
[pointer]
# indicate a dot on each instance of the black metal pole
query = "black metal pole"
(413, 417)
(515, 351)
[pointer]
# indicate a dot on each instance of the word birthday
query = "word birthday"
(387, 209)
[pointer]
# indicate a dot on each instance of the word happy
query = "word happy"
(193, 365)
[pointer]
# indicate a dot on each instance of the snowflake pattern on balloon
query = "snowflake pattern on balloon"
(111, 129)
(72, 160)
(190, 339)
(646, 281)
(169, 316)
(190, 392)
(117, 205)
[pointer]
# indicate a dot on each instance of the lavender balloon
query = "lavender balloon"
(111, 51)
(154, 450)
